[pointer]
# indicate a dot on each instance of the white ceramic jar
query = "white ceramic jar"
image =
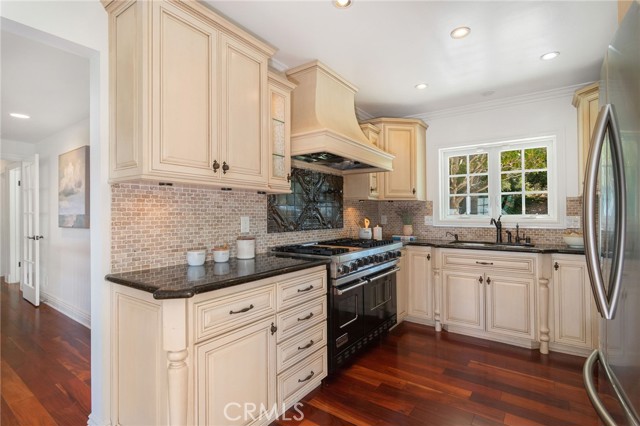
(196, 257)
(246, 247)
(220, 254)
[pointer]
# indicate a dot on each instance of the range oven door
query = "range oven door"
(347, 315)
(380, 302)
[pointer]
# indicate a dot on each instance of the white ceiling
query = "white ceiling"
(386, 47)
(48, 84)
(383, 47)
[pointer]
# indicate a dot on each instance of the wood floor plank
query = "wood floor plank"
(45, 362)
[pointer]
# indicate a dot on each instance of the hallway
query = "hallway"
(46, 375)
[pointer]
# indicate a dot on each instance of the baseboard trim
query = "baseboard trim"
(93, 422)
(66, 309)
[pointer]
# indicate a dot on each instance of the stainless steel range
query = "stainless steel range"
(362, 300)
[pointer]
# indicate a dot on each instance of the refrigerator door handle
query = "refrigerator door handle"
(606, 303)
(592, 393)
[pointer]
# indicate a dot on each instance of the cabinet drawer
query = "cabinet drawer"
(496, 262)
(300, 289)
(222, 314)
(302, 378)
(301, 318)
(301, 346)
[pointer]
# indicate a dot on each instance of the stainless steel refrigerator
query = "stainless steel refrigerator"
(612, 230)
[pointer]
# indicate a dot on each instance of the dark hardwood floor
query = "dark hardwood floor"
(415, 377)
(44, 366)
(420, 377)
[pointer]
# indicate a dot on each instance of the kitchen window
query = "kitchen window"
(515, 179)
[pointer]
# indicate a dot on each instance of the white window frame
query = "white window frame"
(557, 203)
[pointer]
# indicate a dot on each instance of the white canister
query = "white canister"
(377, 232)
(246, 247)
(196, 257)
(220, 254)
(364, 233)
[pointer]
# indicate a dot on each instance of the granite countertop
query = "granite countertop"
(183, 281)
(537, 248)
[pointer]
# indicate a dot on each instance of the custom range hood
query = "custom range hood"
(324, 130)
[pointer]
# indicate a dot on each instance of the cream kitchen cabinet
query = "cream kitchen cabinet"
(586, 102)
(489, 294)
(402, 286)
(280, 133)
(574, 328)
(188, 97)
(406, 139)
(420, 303)
(364, 186)
(204, 359)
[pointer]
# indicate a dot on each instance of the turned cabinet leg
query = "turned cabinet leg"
(178, 382)
(544, 315)
(438, 299)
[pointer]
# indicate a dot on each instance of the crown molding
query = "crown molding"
(500, 103)
(277, 65)
(363, 115)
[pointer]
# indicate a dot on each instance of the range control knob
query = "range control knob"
(354, 266)
(366, 260)
(386, 256)
(398, 254)
(344, 269)
(392, 255)
(379, 258)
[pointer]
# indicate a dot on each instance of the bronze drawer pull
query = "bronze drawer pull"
(305, 289)
(307, 317)
(241, 310)
(307, 346)
(306, 378)
(483, 263)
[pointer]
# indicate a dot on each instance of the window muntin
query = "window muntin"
(514, 178)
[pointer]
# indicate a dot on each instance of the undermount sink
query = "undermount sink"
(489, 244)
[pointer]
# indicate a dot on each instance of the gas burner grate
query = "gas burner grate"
(354, 242)
(311, 249)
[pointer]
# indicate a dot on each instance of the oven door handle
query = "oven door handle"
(384, 274)
(341, 291)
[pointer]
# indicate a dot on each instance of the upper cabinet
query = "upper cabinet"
(586, 102)
(364, 186)
(188, 97)
(280, 132)
(406, 140)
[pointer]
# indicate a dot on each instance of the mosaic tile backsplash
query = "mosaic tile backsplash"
(153, 226)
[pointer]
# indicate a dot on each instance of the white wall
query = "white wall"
(82, 28)
(65, 273)
(525, 116)
(11, 152)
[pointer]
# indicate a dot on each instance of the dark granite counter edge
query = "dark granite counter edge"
(161, 294)
(520, 249)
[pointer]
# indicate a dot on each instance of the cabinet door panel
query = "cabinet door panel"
(400, 141)
(244, 112)
(510, 305)
(572, 303)
(463, 299)
(234, 370)
(420, 286)
(184, 89)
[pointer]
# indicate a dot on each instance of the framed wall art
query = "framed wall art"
(73, 188)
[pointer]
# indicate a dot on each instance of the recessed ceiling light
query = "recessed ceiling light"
(16, 115)
(421, 86)
(549, 56)
(460, 32)
(342, 4)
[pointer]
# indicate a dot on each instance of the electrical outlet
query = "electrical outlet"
(244, 223)
(383, 219)
(428, 220)
(573, 222)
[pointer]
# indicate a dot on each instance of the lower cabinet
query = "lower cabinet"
(241, 355)
(489, 294)
(402, 286)
(420, 295)
(236, 371)
(574, 327)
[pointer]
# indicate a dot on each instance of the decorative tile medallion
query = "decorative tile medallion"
(315, 203)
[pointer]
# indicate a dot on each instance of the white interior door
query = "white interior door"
(30, 282)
